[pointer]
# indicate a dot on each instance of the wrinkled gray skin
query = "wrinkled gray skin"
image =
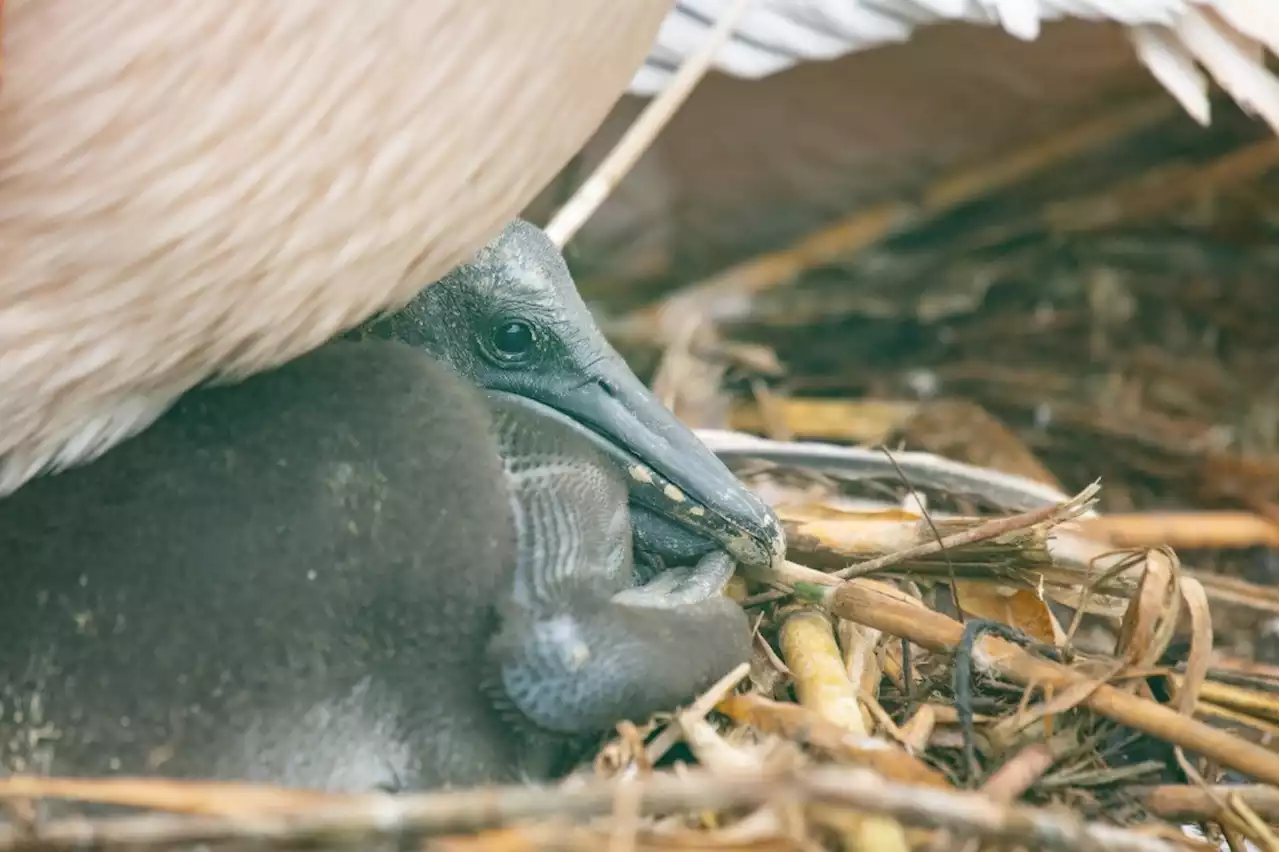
(354, 572)
(581, 646)
(685, 502)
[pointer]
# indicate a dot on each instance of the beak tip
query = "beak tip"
(775, 542)
(778, 548)
(767, 548)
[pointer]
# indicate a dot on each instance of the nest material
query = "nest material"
(867, 720)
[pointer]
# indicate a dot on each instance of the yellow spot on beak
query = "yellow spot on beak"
(697, 511)
(578, 656)
(675, 495)
(640, 474)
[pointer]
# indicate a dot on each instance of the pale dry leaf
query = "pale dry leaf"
(1020, 608)
(1152, 615)
(1201, 653)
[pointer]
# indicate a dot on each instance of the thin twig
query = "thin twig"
(933, 528)
(642, 132)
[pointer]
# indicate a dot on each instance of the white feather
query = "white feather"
(1174, 68)
(1256, 19)
(1175, 39)
(1019, 18)
(1235, 61)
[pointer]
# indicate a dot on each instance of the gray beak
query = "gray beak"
(671, 472)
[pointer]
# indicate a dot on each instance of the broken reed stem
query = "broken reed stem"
(982, 532)
(640, 135)
(363, 819)
(863, 603)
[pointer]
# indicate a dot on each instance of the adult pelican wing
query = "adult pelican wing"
(194, 190)
(1175, 39)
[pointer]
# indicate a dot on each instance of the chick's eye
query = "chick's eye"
(513, 338)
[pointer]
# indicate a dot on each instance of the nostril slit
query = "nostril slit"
(608, 387)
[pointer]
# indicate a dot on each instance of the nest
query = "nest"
(869, 718)
(934, 670)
